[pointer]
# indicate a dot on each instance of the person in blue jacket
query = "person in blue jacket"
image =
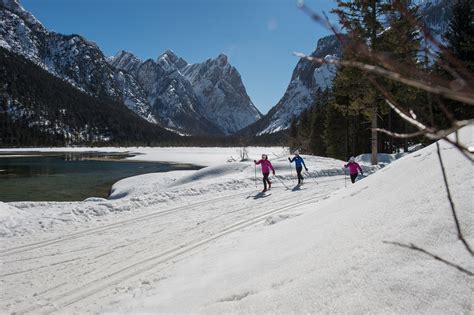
(299, 162)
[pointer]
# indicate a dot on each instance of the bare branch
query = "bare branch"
(467, 98)
(401, 135)
(453, 210)
(414, 247)
(324, 22)
(408, 118)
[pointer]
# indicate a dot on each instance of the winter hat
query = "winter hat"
(297, 152)
(352, 159)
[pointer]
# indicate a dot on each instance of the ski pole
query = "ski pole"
(282, 182)
(345, 178)
(255, 175)
(309, 176)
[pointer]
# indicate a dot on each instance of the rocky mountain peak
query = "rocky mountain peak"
(125, 60)
(123, 54)
(221, 94)
(169, 58)
(222, 60)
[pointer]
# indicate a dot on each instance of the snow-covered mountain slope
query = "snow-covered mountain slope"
(208, 242)
(70, 57)
(307, 79)
(168, 91)
(209, 95)
(221, 94)
(38, 108)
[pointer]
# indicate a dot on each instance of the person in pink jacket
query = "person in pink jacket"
(354, 169)
(266, 167)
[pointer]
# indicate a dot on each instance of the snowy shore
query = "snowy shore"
(208, 241)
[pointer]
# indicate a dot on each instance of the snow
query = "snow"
(297, 98)
(208, 242)
(325, 73)
(10, 219)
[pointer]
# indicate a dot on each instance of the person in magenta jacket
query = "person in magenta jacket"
(354, 169)
(266, 167)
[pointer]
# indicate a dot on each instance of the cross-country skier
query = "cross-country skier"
(299, 162)
(354, 167)
(266, 167)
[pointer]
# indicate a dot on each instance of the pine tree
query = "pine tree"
(317, 145)
(363, 20)
(460, 44)
(304, 130)
(293, 139)
(336, 132)
(401, 44)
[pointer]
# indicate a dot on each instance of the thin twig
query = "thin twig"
(401, 135)
(414, 247)
(323, 21)
(453, 210)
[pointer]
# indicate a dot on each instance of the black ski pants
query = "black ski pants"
(298, 171)
(266, 180)
(353, 177)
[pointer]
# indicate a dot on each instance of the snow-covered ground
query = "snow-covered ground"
(208, 241)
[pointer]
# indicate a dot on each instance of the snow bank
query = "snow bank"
(383, 158)
(145, 184)
(11, 220)
(220, 177)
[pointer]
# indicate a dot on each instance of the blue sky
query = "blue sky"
(259, 36)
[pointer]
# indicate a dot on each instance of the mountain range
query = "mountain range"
(209, 94)
(207, 98)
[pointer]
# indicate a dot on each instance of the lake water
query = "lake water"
(69, 176)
